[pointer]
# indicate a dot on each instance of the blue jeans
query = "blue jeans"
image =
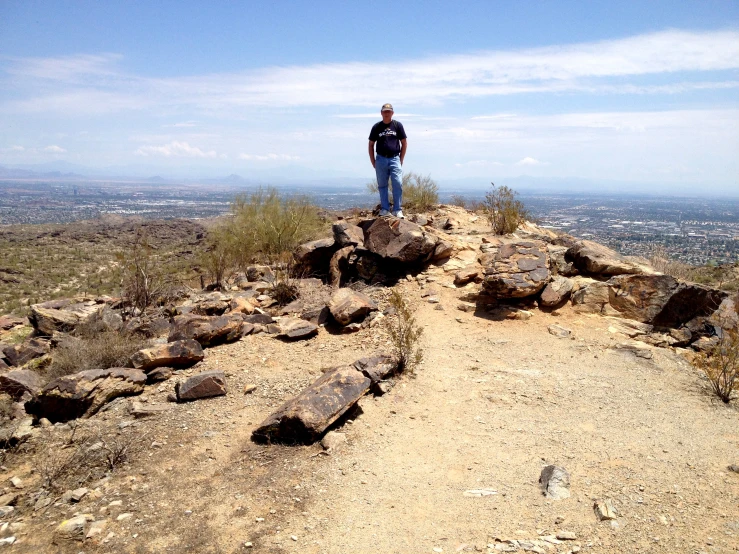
(389, 168)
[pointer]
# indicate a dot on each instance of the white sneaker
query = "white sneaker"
(384, 213)
(399, 214)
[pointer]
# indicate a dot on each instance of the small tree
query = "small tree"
(721, 365)
(142, 278)
(503, 210)
(404, 335)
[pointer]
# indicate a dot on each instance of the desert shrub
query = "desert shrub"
(458, 200)
(98, 351)
(420, 192)
(218, 257)
(721, 365)
(503, 210)
(284, 288)
(265, 225)
(142, 280)
(405, 334)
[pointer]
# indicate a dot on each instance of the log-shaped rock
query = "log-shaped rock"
(207, 330)
(179, 354)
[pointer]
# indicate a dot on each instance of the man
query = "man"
(391, 141)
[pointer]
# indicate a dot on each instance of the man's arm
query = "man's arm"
(372, 152)
(403, 146)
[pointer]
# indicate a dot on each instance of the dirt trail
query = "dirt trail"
(493, 403)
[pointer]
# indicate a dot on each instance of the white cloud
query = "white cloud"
(528, 161)
(16, 148)
(268, 157)
(55, 149)
(175, 149)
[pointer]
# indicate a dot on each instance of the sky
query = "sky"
(644, 93)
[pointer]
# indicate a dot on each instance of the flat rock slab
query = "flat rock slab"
(20, 354)
(61, 315)
(399, 240)
(641, 297)
(203, 385)
(519, 269)
(297, 329)
(83, 394)
(304, 418)
(377, 368)
(348, 305)
(556, 292)
(19, 381)
(178, 354)
(591, 257)
(208, 330)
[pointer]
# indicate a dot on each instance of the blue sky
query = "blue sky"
(642, 92)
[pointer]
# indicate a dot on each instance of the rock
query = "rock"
(555, 482)
(5, 511)
(17, 482)
(556, 292)
(346, 234)
(20, 381)
(604, 509)
(466, 307)
(255, 273)
(519, 270)
(60, 315)
(468, 275)
(348, 305)
(141, 409)
(639, 349)
(733, 468)
(241, 305)
(78, 494)
(399, 240)
(178, 354)
(566, 535)
(641, 297)
(338, 265)
(304, 418)
(3, 365)
(211, 306)
(7, 322)
(591, 257)
(202, 385)
(208, 330)
(558, 265)
(20, 354)
(259, 319)
(159, 374)
(333, 440)
(705, 344)
(71, 529)
(104, 319)
(83, 394)
(312, 258)
(689, 301)
(443, 250)
(9, 499)
(559, 331)
(96, 528)
(420, 219)
(148, 326)
(297, 329)
(377, 368)
(727, 315)
(629, 327)
(318, 315)
(592, 298)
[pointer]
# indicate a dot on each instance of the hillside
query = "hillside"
(446, 459)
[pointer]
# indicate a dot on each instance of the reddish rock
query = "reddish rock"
(348, 305)
(20, 381)
(8, 322)
(556, 292)
(61, 315)
(312, 258)
(297, 329)
(519, 270)
(641, 297)
(594, 258)
(399, 240)
(203, 385)
(469, 275)
(208, 330)
(20, 354)
(347, 234)
(178, 354)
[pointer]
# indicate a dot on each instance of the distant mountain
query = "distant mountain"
(13, 173)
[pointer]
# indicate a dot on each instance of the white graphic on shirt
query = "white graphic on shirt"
(387, 132)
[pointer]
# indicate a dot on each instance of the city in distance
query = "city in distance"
(696, 229)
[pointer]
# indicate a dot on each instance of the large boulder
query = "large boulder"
(304, 418)
(557, 291)
(399, 240)
(208, 330)
(83, 394)
(558, 263)
(689, 301)
(520, 269)
(61, 315)
(312, 258)
(591, 257)
(347, 234)
(641, 297)
(348, 305)
(203, 385)
(592, 298)
(296, 329)
(179, 354)
(20, 381)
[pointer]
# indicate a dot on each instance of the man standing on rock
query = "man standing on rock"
(390, 138)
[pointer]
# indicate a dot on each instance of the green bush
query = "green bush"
(420, 192)
(503, 210)
(405, 335)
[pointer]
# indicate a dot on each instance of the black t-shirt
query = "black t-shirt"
(388, 137)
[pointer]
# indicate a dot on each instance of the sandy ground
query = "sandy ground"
(492, 404)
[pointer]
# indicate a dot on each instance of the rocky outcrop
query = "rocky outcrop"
(347, 234)
(339, 265)
(591, 257)
(61, 315)
(520, 269)
(348, 305)
(689, 301)
(178, 354)
(399, 240)
(641, 297)
(20, 354)
(20, 381)
(312, 258)
(203, 385)
(557, 292)
(592, 298)
(83, 394)
(208, 331)
(304, 418)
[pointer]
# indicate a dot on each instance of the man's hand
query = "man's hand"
(403, 147)
(371, 149)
